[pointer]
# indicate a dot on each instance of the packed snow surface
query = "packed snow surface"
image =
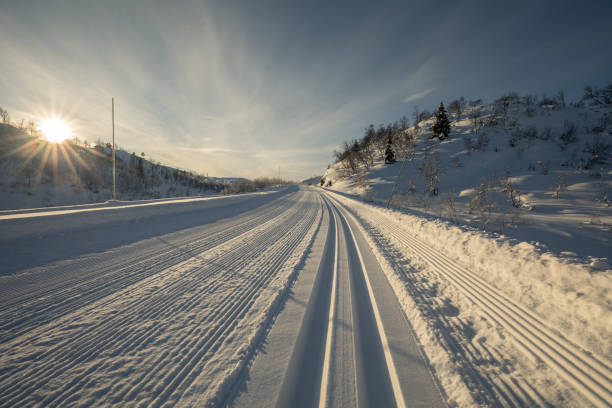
(185, 302)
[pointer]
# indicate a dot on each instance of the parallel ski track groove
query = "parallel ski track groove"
(139, 302)
(245, 297)
(112, 298)
(77, 294)
(591, 377)
(389, 363)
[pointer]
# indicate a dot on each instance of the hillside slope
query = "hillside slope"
(36, 173)
(524, 207)
(546, 178)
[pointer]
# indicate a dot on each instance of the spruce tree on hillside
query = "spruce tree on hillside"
(441, 126)
(389, 154)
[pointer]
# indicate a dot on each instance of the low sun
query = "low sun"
(55, 130)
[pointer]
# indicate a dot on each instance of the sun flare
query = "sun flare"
(55, 130)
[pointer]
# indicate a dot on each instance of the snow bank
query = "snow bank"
(439, 359)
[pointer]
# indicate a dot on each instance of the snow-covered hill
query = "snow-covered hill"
(523, 204)
(543, 176)
(36, 173)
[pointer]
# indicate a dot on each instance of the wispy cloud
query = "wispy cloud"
(198, 87)
(418, 95)
(239, 88)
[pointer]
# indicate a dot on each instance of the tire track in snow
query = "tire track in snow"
(590, 376)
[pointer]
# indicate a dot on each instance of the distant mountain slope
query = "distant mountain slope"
(539, 172)
(37, 173)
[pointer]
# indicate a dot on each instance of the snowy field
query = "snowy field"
(296, 297)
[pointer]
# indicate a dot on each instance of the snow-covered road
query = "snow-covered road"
(160, 320)
(283, 298)
(174, 314)
(354, 346)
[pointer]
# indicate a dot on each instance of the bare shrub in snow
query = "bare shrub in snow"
(367, 151)
(482, 204)
(604, 124)
(430, 171)
(242, 186)
(598, 96)
(531, 134)
(4, 115)
(467, 142)
(491, 121)
(482, 141)
(449, 203)
(347, 159)
(512, 193)
(515, 137)
(560, 185)
(599, 150)
(425, 201)
(502, 106)
(603, 187)
(509, 218)
(361, 181)
(457, 106)
(405, 143)
(410, 187)
(544, 166)
(568, 135)
(549, 103)
(546, 134)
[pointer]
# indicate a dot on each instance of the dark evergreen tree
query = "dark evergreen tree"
(389, 154)
(441, 126)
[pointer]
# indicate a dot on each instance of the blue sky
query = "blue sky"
(238, 88)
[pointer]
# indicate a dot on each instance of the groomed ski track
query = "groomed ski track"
(354, 346)
(589, 375)
(274, 299)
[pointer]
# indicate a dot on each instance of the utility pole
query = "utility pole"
(114, 183)
(279, 179)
